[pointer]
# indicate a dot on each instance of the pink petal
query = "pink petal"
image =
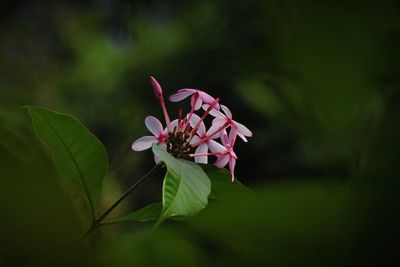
(181, 94)
(224, 138)
(197, 105)
(233, 154)
(243, 129)
(174, 125)
(201, 149)
(208, 99)
(227, 112)
(215, 147)
(232, 163)
(195, 140)
(154, 125)
(242, 137)
(143, 143)
(163, 147)
(222, 161)
(214, 112)
(213, 130)
(232, 137)
(194, 120)
(219, 121)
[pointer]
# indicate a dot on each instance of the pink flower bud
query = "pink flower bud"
(156, 87)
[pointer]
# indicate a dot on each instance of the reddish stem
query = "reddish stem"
(196, 97)
(212, 105)
(210, 154)
(208, 137)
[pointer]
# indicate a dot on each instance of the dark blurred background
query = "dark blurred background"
(316, 82)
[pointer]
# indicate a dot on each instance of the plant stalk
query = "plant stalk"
(97, 223)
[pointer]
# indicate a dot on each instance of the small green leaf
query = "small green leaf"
(148, 213)
(79, 156)
(222, 188)
(186, 186)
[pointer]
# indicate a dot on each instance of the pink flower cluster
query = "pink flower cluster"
(187, 136)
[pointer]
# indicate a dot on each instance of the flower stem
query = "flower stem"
(97, 223)
(209, 136)
(212, 105)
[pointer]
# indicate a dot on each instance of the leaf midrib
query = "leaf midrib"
(76, 165)
(179, 185)
(180, 182)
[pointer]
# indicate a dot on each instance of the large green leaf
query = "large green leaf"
(147, 213)
(186, 186)
(222, 187)
(79, 156)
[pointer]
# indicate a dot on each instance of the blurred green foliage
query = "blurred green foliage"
(316, 82)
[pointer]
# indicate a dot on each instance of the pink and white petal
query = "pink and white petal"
(143, 143)
(222, 161)
(199, 102)
(174, 124)
(243, 129)
(214, 112)
(224, 138)
(219, 121)
(242, 137)
(233, 154)
(194, 120)
(232, 136)
(201, 149)
(154, 125)
(163, 147)
(232, 163)
(156, 159)
(215, 147)
(227, 112)
(213, 130)
(181, 94)
(195, 140)
(208, 99)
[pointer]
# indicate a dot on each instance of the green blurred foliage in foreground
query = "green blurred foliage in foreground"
(296, 223)
(317, 83)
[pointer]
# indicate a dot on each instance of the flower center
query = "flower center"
(178, 145)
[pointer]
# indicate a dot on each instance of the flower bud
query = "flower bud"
(156, 87)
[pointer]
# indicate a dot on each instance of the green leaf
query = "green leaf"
(148, 213)
(79, 156)
(222, 187)
(186, 186)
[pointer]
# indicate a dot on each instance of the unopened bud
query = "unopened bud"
(156, 87)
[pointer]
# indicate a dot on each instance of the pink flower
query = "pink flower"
(158, 137)
(188, 133)
(204, 140)
(226, 119)
(228, 156)
(198, 97)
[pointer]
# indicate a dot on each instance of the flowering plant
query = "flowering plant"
(187, 137)
(81, 158)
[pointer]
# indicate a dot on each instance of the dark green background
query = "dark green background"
(317, 83)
